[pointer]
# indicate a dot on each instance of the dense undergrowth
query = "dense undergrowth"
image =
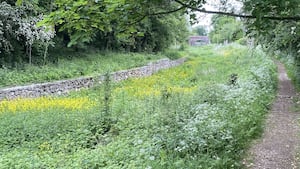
(70, 66)
(202, 114)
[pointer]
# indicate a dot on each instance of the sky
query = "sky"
(212, 5)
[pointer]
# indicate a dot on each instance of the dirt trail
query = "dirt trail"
(279, 144)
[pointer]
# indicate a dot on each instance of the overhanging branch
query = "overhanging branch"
(168, 12)
(142, 17)
(155, 14)
(293, 18)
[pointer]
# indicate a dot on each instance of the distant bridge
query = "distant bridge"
(199, 40)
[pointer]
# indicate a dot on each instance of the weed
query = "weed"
(184, 117)
(107, 94)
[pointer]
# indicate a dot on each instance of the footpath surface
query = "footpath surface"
(279, 145)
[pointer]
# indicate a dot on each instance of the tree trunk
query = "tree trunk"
(29, 54)
(45, 53)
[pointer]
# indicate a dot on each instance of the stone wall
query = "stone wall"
(64, 86)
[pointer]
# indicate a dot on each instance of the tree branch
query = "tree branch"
(155, 14)
(168, 12)
(293, 18)
(152, 14)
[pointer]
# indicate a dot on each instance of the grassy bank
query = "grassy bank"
(202, 114)
(90, 64)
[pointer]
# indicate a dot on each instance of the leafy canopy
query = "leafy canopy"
(82, 19)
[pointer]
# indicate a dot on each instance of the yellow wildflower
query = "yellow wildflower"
(44, 103)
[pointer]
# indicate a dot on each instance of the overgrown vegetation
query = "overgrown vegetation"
(33, 31)
(280, 36)
(84, 64)
(192, 116)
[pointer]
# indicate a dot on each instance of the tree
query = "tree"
(126, 22)
(200, 30)
(18, 31)
(84, 17)
(276, 35)
(33, 34)
(254, 12)
(117, 23)
(225, 28)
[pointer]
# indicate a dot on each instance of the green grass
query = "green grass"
(93, 63)
(184, 117)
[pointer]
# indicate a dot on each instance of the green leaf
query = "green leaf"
(19, 2)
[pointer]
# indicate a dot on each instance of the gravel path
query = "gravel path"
(279, 144)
